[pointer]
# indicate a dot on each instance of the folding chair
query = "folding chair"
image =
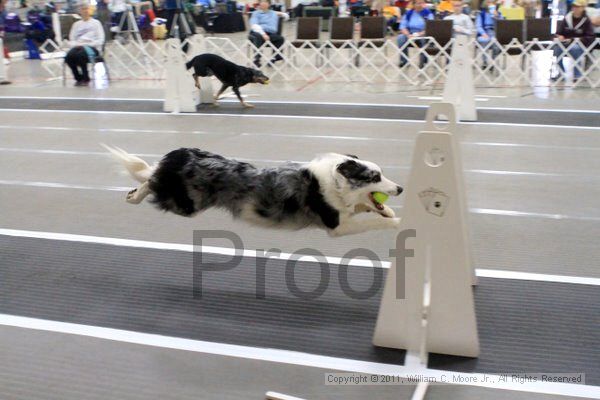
(99, 59)
(509, 34)
(325, 13)
(372, 33)
(307, 31)
(441, 33)
(341, 34)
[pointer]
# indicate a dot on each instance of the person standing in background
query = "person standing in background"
(3, 14)
(461, 22)
(530, 7)
(593, 12)
(118, 7)
(103, 15)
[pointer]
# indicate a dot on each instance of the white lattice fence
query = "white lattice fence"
(495, 65)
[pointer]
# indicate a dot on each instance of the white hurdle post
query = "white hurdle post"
(180, 93)
(3, 77)
(57, 29)
(459, 88)
(427, 304)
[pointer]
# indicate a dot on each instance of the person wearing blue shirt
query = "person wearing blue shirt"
(264, 25)
(412, 25)
(486, 29)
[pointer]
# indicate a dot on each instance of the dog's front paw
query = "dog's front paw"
(395, 222)
(387, 212)
(248, 105)
(130, 198)
(133, 197)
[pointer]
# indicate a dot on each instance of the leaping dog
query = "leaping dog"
(327, 192)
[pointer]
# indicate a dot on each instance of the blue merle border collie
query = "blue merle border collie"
(327, 192)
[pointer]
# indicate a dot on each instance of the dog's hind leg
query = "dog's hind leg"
(197, 80)
(239, 96)
(136, 196)
(220, 92)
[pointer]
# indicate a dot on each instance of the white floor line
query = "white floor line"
(186, 247)
(329, 137)
(486, 273)
(103, 130)
(57, 185)
(488, 211)
(290, 357)
(512, 213)
(81, 98)
(478, 98)
(266, 116)
(439, 98)
(272, 161)
(376, 139)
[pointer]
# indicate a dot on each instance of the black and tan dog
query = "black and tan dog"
(228, 73)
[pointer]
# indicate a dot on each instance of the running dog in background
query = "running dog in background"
(228, 73)
(327, 192)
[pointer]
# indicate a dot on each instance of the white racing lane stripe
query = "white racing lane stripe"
(102, 130)
(263, 116)
(375, 139)
(291, 357)
(488, 211)
(58, 185)
(486, 273)
(479, 97)
(272, 161)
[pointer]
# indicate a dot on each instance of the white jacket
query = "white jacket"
(462, 24)
(87, 33)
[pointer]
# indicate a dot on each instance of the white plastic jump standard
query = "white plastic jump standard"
(57, 29)
(180, 93)
(3, 78)
(459, 88)
(427, 304)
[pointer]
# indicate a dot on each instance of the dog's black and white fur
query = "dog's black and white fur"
(328, 192)
(230, 74)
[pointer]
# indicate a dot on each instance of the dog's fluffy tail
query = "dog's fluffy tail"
(137, 168)
(189, 64)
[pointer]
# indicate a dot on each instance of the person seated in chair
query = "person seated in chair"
(412, 25)
(575, 25)
(486, 28)
(264, 24)
(593, 13)
(85, 38)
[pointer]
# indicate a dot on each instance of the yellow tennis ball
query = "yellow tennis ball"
(380, 197)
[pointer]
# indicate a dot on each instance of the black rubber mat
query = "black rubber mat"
(524, 326)
(319, 110)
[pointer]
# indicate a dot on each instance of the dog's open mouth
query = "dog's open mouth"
(377, 204)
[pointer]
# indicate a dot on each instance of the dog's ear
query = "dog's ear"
(358, 174)
(350, 169)
(352, 156)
